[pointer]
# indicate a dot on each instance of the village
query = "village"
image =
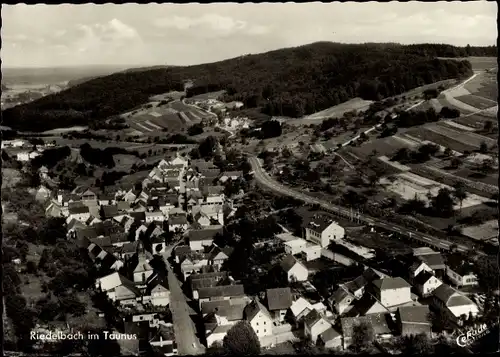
(169, 282)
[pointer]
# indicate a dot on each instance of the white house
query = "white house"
(425, 283)
(293, 269)
(159, 293)
(311, 252)
(208, 215)
(279, 300)
(154, 216)
(142, 270)
(392, 291)
(322, 230)
(454, 304)
(17, 143)
(418, 267)
(259, 318)
(177, 223)
(27, 156)
(295, 246)
(217, 335)
(460, 272)
(201, 238)
(80, 213)
(315, 325)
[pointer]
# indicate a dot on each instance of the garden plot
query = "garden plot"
(394, 164)
(483, 232)
(456, 125)
(407, 141)
(443, 141)
(461, 136)
(476, 101)
(409, 186)
(172, 122)
(476, 121)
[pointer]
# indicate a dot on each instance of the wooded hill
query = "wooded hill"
(290, 82)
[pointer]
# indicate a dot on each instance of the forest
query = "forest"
(290, 82)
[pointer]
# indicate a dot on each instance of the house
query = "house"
(43, 194)
(226, 311)
(180, 252)
(205, 280)
(293, 269)
(342, 300)
(311, 252)
(80, 213)
(279, 300)
(330, 339)
(456, 306)
(156, 216)
(207, 215)
(322, 230)
(178, 160)
(295, 246)
(92, 220)
(158, 244)
(217, 256)
(158, 292)
(162, 338)
(88, 195)
(177, 223)
(193, 263)
(194, 198)
(26, 156)
(230, 175)
(220, 292)
(392, 291)
(109, 211)
(414, 320)
(201, 238)
(213, 194)
(418, 267)
(143, 270)
(460, 272)
(118, 288)
(217, 335)
(434, 260)
(131, 195)
(300, 308)
(425, 283)
(358, 286)
(314, 325)
(378, 322)
(259, 318)
(366, 305)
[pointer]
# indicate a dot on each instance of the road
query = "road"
(184, 327)
(261, 176)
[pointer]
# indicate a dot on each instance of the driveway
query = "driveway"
(184, 327)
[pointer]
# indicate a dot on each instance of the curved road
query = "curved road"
(262, 176)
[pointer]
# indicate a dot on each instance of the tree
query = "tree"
(488, 126)
(241, 340)
(415, 345)
(448, 152)
(456, 162)
(460, 192)
(362, 336)
(442, 203)
(483, 147)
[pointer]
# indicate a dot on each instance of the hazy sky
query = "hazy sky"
(132, 34)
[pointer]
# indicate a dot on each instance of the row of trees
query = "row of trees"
(290, 82)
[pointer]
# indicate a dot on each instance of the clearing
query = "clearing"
(487, 231)
(207, 96)
(339, 110)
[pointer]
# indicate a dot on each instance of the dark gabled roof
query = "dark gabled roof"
(378, 322)
(434, 261)
(177, 219)
(233, 309)
(319, 223)
(252, 309)
(450, 297)
(232, 174)
(110, 211)
(204, 234)
(423, 277)
(391, 283)
(279, 298)
(212, 190)
(459, 264)
(138, 216)
(221, 291)
(415, 314)
(78, 209)
(312, 318)
(89, 232)
(288, 263)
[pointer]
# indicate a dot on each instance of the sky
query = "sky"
(185, 34)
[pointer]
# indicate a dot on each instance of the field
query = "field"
(409, 185)
(464, 137)
(484, 232)
(477, 101)
(475, 121)
(339, 110)
(453, 124)
(440, 139)
(207, 96)
(484, 85)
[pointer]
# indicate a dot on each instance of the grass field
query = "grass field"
(477, 101)
(206, 96)
(464, 137)
(475, 121)
(450, 123)
(482, 232)
(339, 110)
(484, 85)
(427, 135)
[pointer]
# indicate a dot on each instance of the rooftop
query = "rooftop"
(279, 298)
(391, 283)
(319, 222)
(415, 314)
(205, 234)
(378, 322)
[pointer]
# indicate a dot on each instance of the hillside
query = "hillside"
(287, 82)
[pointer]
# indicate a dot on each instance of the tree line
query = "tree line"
(290, 82)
